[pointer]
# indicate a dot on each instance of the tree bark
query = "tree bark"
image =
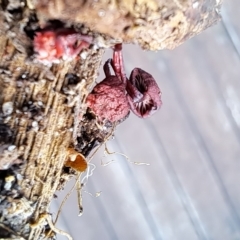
(153, 24)
(42, 108)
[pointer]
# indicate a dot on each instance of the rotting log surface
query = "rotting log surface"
(41, 107)
(153, 24)
(37, 115)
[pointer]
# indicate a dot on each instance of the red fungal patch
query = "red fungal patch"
(50, 46)
(108, 100)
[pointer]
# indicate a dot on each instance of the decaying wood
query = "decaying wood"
(36, 130)
(42, 111)
(153, 24)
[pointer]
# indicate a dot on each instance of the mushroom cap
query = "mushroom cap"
(108, 100)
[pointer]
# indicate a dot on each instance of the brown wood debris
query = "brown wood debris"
(153, 24)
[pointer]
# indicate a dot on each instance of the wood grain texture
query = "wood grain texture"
(38, 111)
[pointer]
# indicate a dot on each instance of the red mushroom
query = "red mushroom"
(108, 99)
(112, 98)
(144, 95)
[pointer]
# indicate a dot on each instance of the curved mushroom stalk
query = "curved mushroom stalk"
(144, 95)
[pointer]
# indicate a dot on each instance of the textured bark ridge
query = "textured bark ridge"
(37, 116)
(153, 24)
(42, 108)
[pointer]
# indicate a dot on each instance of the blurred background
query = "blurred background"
(191, 189)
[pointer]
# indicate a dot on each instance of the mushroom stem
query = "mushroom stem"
(118, 65)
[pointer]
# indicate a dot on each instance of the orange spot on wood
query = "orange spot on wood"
(76, 160)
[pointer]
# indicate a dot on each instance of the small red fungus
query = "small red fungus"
(144, 95)
(50, 46)
(112, 98)
(108, 99)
